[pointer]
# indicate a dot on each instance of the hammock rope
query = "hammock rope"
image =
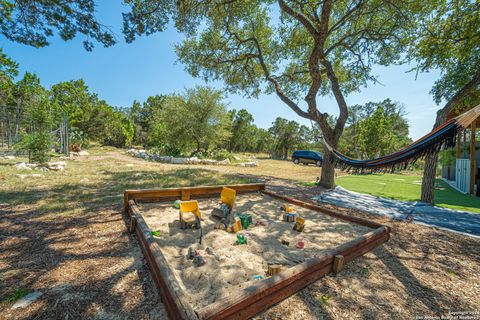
(444, 136)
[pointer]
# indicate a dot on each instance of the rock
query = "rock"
(83, 153)
(193, 160)
(131, 151)
(225, 162)
(74, 154)
(142, 154)
(27, 300)
(129, 165)
(84, 180)
(237, 158)
(209, 161)
(179, 160)
(22, 166)
(9, 157)
(56, 166)
(248, 164)
(165, 159)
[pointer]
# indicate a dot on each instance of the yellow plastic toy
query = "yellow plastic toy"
(228, 196)
(286, 208)
(189, 214)
(224, 212)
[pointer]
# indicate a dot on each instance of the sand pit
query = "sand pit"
(232, 267)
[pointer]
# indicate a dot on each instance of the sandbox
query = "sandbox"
(234, 283)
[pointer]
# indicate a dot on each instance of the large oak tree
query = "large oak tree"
(299, 50)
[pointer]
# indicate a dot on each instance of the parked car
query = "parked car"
(307, 156)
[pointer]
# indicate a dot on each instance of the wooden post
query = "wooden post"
(458, 152)
(472, 157)
(133, 223)
(338, 263)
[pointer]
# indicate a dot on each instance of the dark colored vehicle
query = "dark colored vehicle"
(306, 157)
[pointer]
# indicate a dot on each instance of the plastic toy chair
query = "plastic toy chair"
(189, 214)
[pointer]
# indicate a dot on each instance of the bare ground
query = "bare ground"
(65, 235)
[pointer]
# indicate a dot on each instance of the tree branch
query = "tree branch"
(303, 19)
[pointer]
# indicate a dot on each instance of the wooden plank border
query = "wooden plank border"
(311, 206)
(270, 291)
(185, 193)
(265, 293)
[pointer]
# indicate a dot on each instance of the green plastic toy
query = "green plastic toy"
(176, 204)
(246, 220)
(241, 239)
(156, 233)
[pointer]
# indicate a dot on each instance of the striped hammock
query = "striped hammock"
(443, 136)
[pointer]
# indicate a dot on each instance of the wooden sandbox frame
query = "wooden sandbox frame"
(264, 293)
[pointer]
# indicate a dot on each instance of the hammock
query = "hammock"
(441, 137)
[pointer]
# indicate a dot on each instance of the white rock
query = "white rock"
(9, 157)
(27, 300)
(225, 162)
(84, 180)
(56, 166)
(194, 160)
(237, 158)
(248, 164)
(22, 166)
(83, 153)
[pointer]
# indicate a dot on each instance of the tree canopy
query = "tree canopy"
(296, 49)
(33, 22)
(375, 129)
(448, 38)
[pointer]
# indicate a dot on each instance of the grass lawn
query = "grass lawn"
(406, 187)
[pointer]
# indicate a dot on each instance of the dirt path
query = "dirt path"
(65, 236)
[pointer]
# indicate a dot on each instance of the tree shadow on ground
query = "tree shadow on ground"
(70, 242)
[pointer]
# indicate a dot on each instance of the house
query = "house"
(461, 166)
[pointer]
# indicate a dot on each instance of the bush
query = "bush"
(38, 146)
(78, 139)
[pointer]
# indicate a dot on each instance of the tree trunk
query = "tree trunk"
(429, 175)
(327, 177)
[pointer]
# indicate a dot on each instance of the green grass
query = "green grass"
(408, 187)
(17, 295)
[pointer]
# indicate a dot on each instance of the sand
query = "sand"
(232, 267)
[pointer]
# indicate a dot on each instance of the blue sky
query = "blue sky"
(148, 66)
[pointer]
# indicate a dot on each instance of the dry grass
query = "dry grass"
(65, 235)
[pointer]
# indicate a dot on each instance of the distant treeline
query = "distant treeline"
(195, 122)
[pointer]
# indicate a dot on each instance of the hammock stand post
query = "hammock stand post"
(473, 166)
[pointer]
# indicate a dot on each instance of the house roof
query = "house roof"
(466, 116)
